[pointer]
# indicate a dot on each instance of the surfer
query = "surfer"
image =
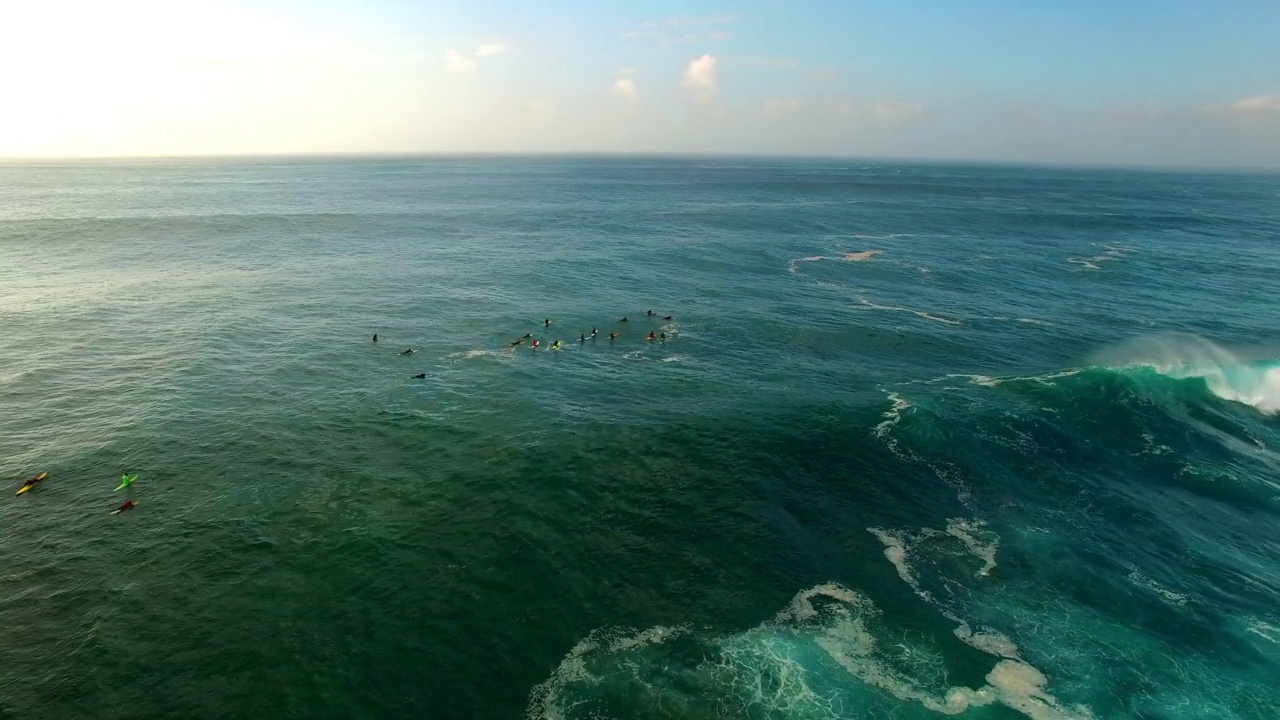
(663, 337)
(527, 336)
(650, 313)
(546, 323)
(128, 505)
(517, 342)
(624, 319)
(420, 376)
(375, 337)
(555, 345)
(593, 332)
(667, 317)
(613, 335)
(32, 482)
(125, 481)
(407, 352)
(582, 337)
(534, 346)
(652, 336)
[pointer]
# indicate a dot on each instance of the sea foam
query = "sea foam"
(800, 663)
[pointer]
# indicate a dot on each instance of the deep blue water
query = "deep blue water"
(920, 441)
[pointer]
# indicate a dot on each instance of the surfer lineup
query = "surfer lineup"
(126, 480)
(557, 344)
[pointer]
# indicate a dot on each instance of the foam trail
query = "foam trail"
(917, 313)
(1013, 681)
(1147, 583)
(793, 265)
(898, 544)
(1091, 263)
(470, 355)
(984, 380)
(966, 531)
(988, 641)
(988, 381)
(861, 256)
(1265, 630)
(893, 415)
(895, 551)
(948, 475)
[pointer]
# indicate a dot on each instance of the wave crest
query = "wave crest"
(1184, 356)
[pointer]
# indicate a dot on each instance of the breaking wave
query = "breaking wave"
(1224, 373)
(1189, 360)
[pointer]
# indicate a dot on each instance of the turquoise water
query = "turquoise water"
(922, 441)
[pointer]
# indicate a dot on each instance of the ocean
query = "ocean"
(916, 440)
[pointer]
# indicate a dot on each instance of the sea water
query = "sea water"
(921, 441)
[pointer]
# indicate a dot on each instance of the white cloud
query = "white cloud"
(1255, 104)
(457, 62)
(489, 50)
(1255, 108)
(702, 75)
(626, 88)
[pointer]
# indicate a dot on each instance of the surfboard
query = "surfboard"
(126, 481)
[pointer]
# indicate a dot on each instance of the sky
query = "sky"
(1116, 82)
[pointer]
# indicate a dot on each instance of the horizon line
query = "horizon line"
(639, 155)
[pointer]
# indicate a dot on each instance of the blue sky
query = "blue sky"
(1137, 82)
